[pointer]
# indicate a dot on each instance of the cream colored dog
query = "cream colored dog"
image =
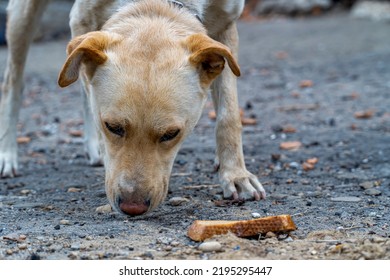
(146, 67)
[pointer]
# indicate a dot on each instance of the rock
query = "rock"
(25, 192)
(73, 190)
(57, 227)
(294, 165)
(255, 215)
(279, 196)
(176, 201)
(64, 222)
(104, 209)
(289, 239)
(367, 185)
(164, 240)
(374, 10)
(270, 234)
(346, 199)
(22, 246)
(22, 237)
(374, 192)
(75, 247)
(73, 255)
(12, 237)
(291, 6)
(210, 246)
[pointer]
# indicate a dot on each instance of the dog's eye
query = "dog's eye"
(169, 135)
(115, 129)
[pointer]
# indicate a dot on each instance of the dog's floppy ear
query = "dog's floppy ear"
(88, 49)
(209, 56)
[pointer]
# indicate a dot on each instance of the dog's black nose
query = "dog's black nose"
(133, 208)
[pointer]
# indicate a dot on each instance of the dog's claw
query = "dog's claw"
(8, 166)
(242, 185)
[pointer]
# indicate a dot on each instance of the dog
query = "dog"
(146, 67)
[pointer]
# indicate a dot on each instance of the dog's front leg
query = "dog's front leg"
(236, 181)
(23, 17)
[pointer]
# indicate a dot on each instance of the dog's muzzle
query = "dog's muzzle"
(132, 208)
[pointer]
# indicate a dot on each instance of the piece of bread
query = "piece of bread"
(201, 230)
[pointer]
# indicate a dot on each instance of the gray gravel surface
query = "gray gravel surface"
(323, 81)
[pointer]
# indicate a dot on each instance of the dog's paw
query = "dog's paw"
(93, 152)
(8, 163)
(241, 184)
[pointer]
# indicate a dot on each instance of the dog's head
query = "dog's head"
(146, 97)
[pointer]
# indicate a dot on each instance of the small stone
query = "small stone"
(22, 246)
(270, 234)
(73, 255)
(73, 190)
(346, 199)
(64, 222)
(374, 192)
(367, 185)
(9, 252)
(104, 209)
(289, 181)
(12, 236)
(255, 215)
(288, 239)
(89, 237)
(292, 145)
(294, 165)
(57, 227)
(210, 246)
(25, 192)
(75, 247)
(22, 237)
(164, 240)
(175, 243)
(176, 201)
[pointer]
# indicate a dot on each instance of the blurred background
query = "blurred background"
(55, 21)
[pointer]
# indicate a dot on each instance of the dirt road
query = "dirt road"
(323, 81)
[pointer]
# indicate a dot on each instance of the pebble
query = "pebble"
(210, 246)
(164, 240)
(73, 255)
(294, 165)
(9, 252)
(346, 199)
(22, 246)
(22, 237)
(57, 227)
(75, 247)
(175, 243)
(104, 209)
(73, 190)
(25, 192)
(279, 196)
(255, 215)
(288, 239)
(65, 222)
(374, 192)
(176, 201)
(367, 185)
(270, 234)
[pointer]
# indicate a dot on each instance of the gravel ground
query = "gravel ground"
(322, 81)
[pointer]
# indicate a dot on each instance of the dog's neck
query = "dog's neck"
(185, 17)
